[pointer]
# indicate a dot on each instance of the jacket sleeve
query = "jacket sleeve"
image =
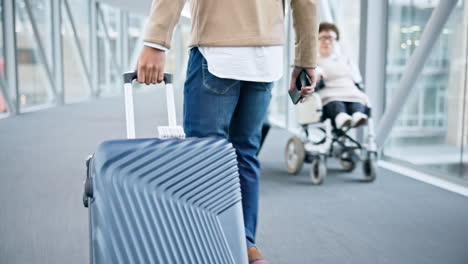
(163, 17)
(305, 16)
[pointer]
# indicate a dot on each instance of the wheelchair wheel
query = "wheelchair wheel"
(318, 170)
(294, 155)
(369, 167)
(347, 165)
(348, 160)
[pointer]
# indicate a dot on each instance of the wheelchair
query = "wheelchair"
(317, 140)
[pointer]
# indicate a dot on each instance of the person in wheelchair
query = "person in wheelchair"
(340, 86)
(326, 118)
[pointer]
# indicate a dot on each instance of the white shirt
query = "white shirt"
(255, 64)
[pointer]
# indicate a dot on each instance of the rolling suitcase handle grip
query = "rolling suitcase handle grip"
(130, 76)
(128, 79)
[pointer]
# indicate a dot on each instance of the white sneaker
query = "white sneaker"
(359, 119)
(342, 120)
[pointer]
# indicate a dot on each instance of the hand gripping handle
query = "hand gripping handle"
(128, 79)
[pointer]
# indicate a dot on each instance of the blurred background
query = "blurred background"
(56, 54)
(70, 51)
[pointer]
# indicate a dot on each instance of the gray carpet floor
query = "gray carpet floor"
(393, 220)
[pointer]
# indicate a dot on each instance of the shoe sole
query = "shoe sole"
(361, 122)
(346, 124)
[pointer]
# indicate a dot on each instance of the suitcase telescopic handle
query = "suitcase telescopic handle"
(128, 78)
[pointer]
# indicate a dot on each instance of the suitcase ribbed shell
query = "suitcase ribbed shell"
(166, 201)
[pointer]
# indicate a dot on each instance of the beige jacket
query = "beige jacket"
(222, 23)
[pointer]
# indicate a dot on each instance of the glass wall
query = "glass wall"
(44, 50)
(34, 52)
(135, 30)
(76, 49)
(3, 106)
(109, 68)
(431, 130)
(346, 14)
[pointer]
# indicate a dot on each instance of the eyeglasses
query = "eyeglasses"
(329, 38)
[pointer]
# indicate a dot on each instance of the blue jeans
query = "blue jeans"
(234, 110)
(332, 109)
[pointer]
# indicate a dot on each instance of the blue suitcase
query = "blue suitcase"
(171, 200)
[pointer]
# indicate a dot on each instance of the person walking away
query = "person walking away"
(235, 57)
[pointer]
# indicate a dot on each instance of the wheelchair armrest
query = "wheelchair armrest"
(360, 86)
(320, 85)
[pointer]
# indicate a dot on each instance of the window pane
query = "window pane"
(34, 85)
(77, 86)
(346, 15)
(135, 29)
(81, 16)
(3, 106)
(464, 166)
(2, 53)
(108, 60)
(428, 133)
(42, 13)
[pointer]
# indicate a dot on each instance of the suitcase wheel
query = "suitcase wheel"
(85, 201)
(89, 188)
